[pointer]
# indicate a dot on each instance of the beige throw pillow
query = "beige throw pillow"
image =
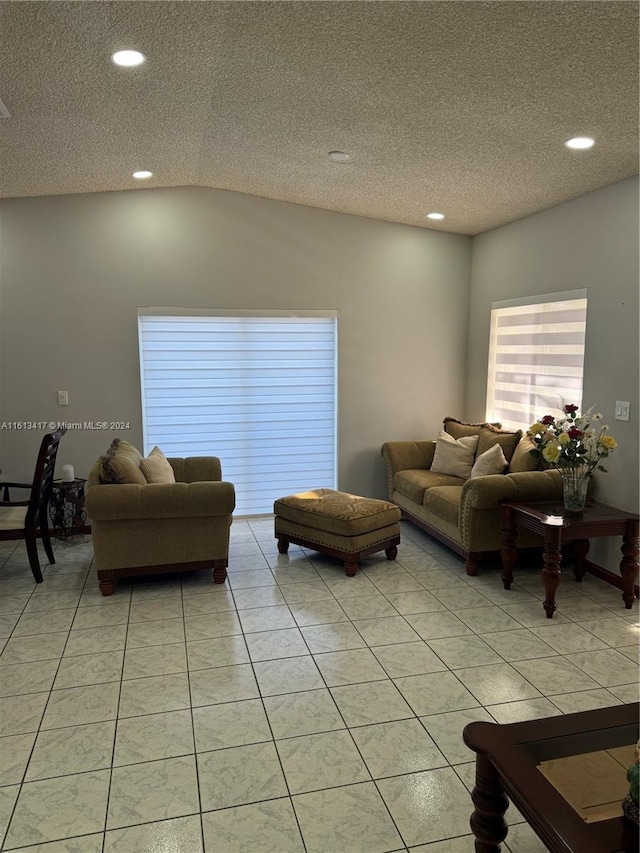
(507, 440)
(121, 464)
(454, 457)
(492, 461)
(522, 460)
(156, 469)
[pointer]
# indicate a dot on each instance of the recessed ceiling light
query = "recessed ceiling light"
(579, 143)
(142, 174)
(128, 58)
(339, 156)
(435, 215)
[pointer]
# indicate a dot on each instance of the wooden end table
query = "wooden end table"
(551, 521)
(508, 759)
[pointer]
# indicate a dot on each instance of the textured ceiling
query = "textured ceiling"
(459, 107)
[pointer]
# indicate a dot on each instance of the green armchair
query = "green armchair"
(161, 527)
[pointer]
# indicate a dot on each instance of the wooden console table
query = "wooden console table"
(508, 763)
(550, 520)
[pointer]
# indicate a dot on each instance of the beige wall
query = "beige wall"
(75, 269)
(591, 242)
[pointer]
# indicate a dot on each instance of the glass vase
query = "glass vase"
(575, 481)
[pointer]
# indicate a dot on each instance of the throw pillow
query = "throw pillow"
(460, 429)
(492, 461)
(454, 457)
(522, 460)
(508, 441)
(156, 469)
(121, 464)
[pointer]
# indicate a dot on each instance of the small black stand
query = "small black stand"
(67, 508)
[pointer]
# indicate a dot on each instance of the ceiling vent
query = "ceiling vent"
(4, 112)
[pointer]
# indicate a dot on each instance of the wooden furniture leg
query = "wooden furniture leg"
(490, 803)
(32, 553)
(391, 553)
(219, 571)
(508, 546)
(44, 533)
(350, 567)
(471, 564)
(580, 551)
(629, 562)
(106, 582)
(551, 567)
(283, 545)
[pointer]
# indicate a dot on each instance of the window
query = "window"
(257, 391)
(536, 356)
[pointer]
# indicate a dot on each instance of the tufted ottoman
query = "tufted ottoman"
(338, 524)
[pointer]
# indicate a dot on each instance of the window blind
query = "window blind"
(536, 358)
(257, 391)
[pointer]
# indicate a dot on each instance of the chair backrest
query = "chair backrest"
(43, 476)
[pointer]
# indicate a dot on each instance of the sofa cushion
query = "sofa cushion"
(492, 461)
(507, 440)
(454, 457)
(336, 512)
(522, 460)
(444, 501)
(121, 464)
(460, 429)
(413, 483)
(156, 469)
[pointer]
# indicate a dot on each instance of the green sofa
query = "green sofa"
(465, 514)
(156, 528)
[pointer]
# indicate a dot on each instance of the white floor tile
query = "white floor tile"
(255, 715)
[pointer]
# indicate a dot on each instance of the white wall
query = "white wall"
(75, 269)
(591, 242)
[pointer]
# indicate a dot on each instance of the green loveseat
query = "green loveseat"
(465, 514)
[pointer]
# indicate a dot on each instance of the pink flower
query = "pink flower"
(570, 408)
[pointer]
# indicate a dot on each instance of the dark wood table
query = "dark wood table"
(507, 762)
(555, 525)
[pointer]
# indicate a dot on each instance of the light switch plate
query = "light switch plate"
(622, 410)
(63, 398)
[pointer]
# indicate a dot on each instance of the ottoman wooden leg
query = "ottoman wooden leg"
(350, 567)
(391, 553)
(283, 545)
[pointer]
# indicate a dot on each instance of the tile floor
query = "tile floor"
(290, 710)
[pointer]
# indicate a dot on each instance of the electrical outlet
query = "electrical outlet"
(622, 410)
(63, 398)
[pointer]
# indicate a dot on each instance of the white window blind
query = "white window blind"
(257, 391)
(536, 357)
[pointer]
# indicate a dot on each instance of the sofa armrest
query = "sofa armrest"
(195, 469)
(401, 455)
(492, 489)
(160, 500)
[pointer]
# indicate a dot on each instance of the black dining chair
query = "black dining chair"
(22, 519)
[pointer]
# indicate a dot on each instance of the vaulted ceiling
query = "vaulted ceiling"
(457, 107)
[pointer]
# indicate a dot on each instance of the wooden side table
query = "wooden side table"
(67, 508)
(509, 762)
(549, 520)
